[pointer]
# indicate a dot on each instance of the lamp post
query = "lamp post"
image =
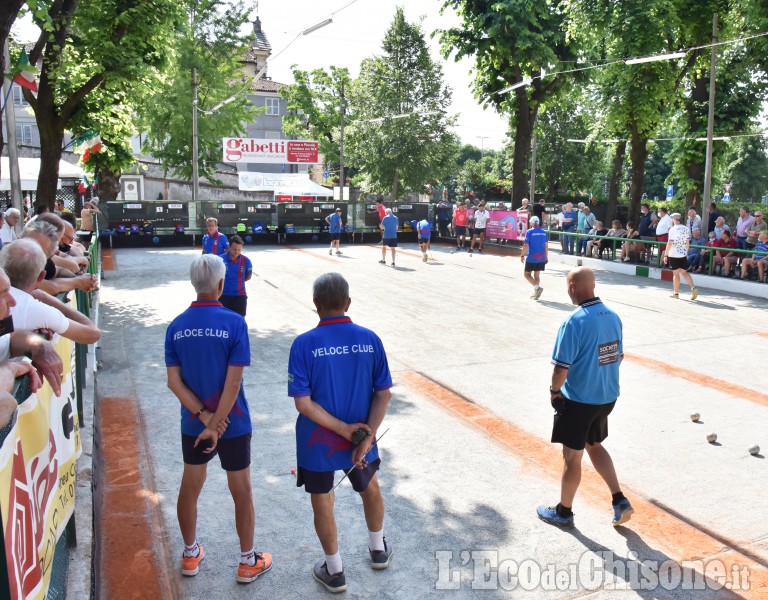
(482, 139)
(706, 199)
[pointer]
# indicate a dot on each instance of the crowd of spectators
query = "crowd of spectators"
(38, 263)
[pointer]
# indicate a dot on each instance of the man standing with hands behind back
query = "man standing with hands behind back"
(339, 378)
(206, 350)
(584, 389)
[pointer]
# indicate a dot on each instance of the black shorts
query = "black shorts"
(675, 262)
(391, 242)
(580, 424)
(478, 231)
(424, 240)
(321, 482)
(335, 236)
(529, 266)
(236, 304)
(234, 453)
(460, 230)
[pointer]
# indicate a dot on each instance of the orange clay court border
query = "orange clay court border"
(130, 565)
(678, 538)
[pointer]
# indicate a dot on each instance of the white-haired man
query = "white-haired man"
(8, 230)
(389, 225)
(24, 264)
(206, 351)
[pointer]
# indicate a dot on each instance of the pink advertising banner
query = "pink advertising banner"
(507, 225)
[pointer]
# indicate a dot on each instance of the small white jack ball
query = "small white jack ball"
(695, 417)
(712, 437)
(754, 449)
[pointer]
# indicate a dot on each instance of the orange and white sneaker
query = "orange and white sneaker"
(190, 565)
(247, 573)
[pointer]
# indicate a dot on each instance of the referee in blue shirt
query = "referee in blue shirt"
(585, 386)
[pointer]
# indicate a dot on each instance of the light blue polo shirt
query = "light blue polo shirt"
(390, 223)
(589, 344)
(339, 365)
(205, 340)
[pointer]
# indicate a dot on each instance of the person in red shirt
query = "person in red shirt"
(459, 224)
(721, 256)
(380, 209)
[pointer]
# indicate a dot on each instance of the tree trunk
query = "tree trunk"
(696, 123)
(521, 158)
(51, 138)
(394, 186)
(638, 153)
(109, 185)
(613, 182)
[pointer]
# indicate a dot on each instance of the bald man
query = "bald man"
(585, 386)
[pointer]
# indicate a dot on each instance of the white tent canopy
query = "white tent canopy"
(29, 169)
(282, 184)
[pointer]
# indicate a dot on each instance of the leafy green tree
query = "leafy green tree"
(206, 40)
(314, 104)
(475, 176)
(85, 45)
(747, 169)
(513, 41)
(396, 152)
(657, 170)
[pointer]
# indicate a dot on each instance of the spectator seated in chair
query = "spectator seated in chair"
(728, 243)
(693, 253)
(632, 244)
(594, 244)
(701, 260)
(760, 258)
(616, 231)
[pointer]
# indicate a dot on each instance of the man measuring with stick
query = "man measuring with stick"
(339, 378)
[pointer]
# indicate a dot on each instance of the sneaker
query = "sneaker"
(480, 250)
(248, 573)
(393, 265)
(622, 512)
(380, 558)
(675, 296)
(471, 251)
(190, 565)
(424, 259)
(548, 514)
(382, 262)
(537, 293)
(338, 252)
(330, 252)
(694, 293)
(333, 583)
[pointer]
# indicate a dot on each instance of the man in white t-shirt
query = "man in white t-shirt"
(676, 256)
(663, 226)
(34, 310)
(8, 230)
(481, 218)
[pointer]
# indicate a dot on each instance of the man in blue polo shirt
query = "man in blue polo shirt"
(339, 378)
(239, 270)
(335, 223)
(206, 350)
(585, 386)
(214, 242)
(424, 229)
(389, 225)
(535, 254)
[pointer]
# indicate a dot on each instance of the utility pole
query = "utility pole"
(706, 199)
(195, 172)
(533, 163)
(13, 150)
(341, 145)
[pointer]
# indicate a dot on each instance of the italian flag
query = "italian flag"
(83, 185)
(25, 74)
(92, 142)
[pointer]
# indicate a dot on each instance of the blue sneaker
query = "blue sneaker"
(548, 514)
(622, 512)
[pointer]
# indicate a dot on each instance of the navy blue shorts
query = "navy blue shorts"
(321, 482)
(335, 236)
(391, 242)
(234, 453)
(460, 230)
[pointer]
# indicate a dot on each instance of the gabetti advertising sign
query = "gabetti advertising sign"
(252, 150)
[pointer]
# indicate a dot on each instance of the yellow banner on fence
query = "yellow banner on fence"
(37, 480)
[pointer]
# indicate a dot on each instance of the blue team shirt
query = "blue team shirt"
(237, 271)
(589, 344)
(761, 250)
(216, 244)
(335, 220)
(204, 341)
(339, 365)
(570, 214)
(425, 229)
(537, 240)
(390, 223)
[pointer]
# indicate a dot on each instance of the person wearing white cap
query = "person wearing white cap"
(535, 255)
(676, 256)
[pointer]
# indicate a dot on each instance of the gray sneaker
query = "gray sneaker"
(537, 293)
(333, 583)
(380, 558)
